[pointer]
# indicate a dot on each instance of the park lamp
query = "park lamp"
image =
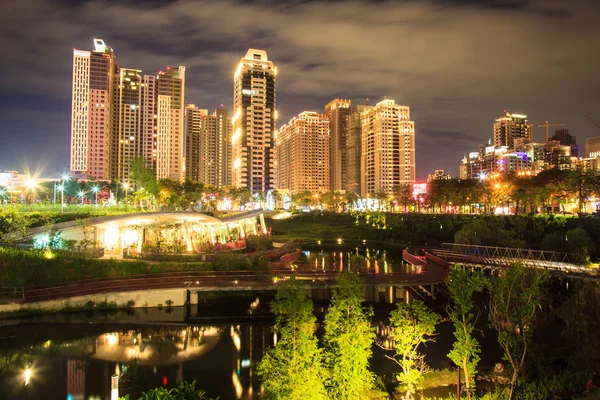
(30, 183)
(66, 177)
(27, 375)
(95, 189)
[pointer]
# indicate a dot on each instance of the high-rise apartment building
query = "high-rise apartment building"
(592, 147)
(354, 148)
(511, 127)
(564, 137)
(119, 114)
(338, 111)
(208, 146)
(194, 134)
(91, 118)
(253, 139)
(169, 131)
(388, 148)
(303, 153)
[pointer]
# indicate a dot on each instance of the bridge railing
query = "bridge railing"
(11, 295)
(503, 255)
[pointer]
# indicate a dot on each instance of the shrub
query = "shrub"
(259, 243)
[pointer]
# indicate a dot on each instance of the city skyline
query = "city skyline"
(455, 87)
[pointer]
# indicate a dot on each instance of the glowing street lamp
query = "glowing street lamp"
(95, 189)
(81, 194)
(27, 375)
(31, 184)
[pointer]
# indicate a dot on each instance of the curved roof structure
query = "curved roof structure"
(145, 218)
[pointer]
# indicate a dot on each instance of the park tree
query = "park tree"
(403, 195)
(142, 175)
(302, 199)
(515, 300)
(348, 339)
(293, 369)
(465, 351)
(412, 325)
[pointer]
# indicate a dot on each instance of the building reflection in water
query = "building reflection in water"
(148, 357)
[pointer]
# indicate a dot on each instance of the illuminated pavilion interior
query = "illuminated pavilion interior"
(167, 232)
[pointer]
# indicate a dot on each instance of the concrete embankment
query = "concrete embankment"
(134, 299)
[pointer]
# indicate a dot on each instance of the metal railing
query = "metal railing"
(11, 295)
(493, 255)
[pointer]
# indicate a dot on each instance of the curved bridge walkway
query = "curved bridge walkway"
(561, 264)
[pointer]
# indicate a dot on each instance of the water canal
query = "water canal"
(74, 355)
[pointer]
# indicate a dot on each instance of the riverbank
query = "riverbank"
(535, 231)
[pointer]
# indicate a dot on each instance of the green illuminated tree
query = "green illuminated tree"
(348, 339)
(412, 325)
(465, 352)
(293, 369)
(515, 300)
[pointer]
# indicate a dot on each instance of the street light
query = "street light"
(61, 189)
(126, 187)
(81, 195)
(30, 184)
(95, 189)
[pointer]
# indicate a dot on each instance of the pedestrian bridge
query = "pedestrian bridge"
(492, 256)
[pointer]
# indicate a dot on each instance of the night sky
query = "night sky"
(457, 63)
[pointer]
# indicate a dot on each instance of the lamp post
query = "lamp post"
(81, 196)
(95, 189)
(126, 187)
(61, 189)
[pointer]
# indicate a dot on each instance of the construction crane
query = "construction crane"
(547, 125)
(590, 118)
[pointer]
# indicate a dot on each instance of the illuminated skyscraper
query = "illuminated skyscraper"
(511, 127)
(338, 111)
(253, 139)
(119, 114)
(208, 146)
(194, 126)
(354, 148)
(91, 118)
(303, 153)
(388, 148)
(169, 131)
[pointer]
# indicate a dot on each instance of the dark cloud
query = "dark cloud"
(457, 63)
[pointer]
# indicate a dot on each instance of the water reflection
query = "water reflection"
(356, 259)
(221, 358)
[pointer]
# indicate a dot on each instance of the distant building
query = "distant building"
(354, 148)
(303, 154)
(589, 164)
(438, 174)
(388, 147)
(170, 113)
(491, 160)
(338, 111)
(208, 146)
(119, 114)
(566, 139)
(195, 119)
(91, 111)
(253, 140)
(592, 147)
(511, 127)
